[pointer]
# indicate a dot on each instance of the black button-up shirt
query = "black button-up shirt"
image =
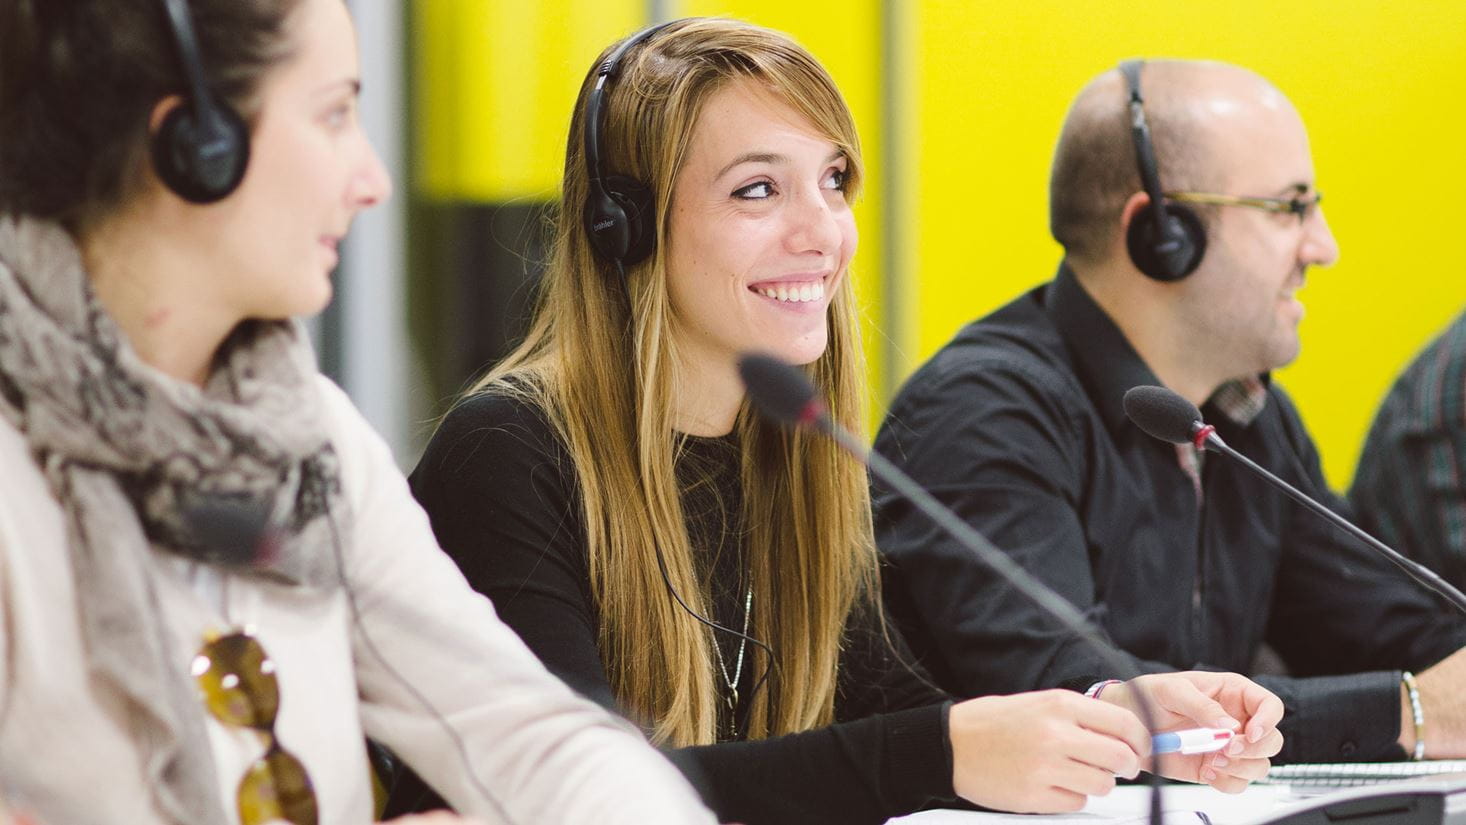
(1017, 424)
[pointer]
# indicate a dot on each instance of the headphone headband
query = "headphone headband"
(594, 119)
(1165, 242)
(1150, 178)
(188, 55)
(201, 149)
(619, 210)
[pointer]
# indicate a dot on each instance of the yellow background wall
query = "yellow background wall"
(493, 85)
(981, 93)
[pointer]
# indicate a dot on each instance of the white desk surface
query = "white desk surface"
(1131, 804)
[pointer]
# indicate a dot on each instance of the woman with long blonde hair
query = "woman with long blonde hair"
(666, 551)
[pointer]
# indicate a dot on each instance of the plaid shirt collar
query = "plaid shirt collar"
(1241, 401)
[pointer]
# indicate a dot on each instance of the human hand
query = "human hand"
(1203, 699)
(10, 816)
(1042, 752)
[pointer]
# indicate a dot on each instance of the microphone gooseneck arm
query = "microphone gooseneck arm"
(1206, 438)
(1015, 574)
(784, 394)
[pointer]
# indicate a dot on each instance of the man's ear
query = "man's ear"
(1132, 207)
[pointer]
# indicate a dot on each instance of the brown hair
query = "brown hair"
(598, 359)
(79, 80)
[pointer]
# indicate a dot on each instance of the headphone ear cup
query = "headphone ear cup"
(605, 224)
(638, 208)
(1175, 251)
(201, 163)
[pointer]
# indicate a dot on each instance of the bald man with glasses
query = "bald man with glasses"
(1183, 195)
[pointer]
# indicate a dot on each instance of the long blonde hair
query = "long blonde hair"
(598, 360)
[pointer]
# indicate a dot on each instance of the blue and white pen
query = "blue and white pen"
(1187, 742)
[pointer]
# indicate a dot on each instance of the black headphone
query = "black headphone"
(202, 147)
(620, 211)
(1165, 241)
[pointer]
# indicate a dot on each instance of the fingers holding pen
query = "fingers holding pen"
(1042, 752)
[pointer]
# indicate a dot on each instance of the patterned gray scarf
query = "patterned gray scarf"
(129, 452)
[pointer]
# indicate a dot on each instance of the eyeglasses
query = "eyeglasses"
(237, 680)
(1299, 205)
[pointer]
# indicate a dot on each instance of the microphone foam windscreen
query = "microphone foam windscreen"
(229, 532)
(1161, 413)
(778, 390)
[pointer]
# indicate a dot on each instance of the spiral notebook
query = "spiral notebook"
(1346, 774)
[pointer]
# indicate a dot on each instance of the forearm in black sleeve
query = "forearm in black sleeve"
(1348, 718)
(864, 771)
(1345, 630)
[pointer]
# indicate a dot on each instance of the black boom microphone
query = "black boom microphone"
(784, 394)
(1163, 414)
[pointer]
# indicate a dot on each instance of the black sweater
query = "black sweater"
(504, 503)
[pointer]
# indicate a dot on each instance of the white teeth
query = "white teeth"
(799, 293)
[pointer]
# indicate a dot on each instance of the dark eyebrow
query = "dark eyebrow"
(752, 157)
(767, 157)
(1299, 188)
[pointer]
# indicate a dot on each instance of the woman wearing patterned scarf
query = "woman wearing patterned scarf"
(213, 581)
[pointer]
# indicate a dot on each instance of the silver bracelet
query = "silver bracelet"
(1413, 692)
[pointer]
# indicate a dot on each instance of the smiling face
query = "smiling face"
(311, 170)
(1242, 301)
(760, 233)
